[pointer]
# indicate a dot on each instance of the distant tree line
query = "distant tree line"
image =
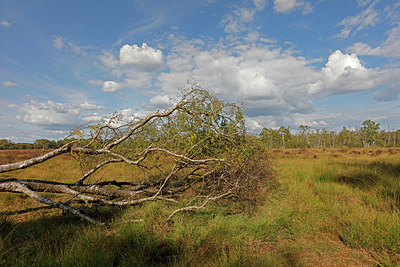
(37, 144)
(369, 134)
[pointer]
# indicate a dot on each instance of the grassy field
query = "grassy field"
(330, 207)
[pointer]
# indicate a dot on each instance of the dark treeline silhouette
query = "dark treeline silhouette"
(367, 135)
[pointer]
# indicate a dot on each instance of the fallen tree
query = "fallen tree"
(198, 146)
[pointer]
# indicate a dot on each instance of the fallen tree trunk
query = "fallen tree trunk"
(175, 143)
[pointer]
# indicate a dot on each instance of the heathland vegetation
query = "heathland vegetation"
(203, 192)
(322, 207)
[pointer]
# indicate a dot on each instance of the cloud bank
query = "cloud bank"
(275, 85)
(53, 115)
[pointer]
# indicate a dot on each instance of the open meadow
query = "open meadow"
(321, 207)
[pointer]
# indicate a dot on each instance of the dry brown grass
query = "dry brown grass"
(10, 156)
(331, 152)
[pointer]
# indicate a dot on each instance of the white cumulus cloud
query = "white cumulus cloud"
(5, 23)
(9, 84)
(125, 116)
(252, 125)
(110, 86)
(160, 102)
(47, 112)
(287, 6)
(88, 106)
(93, 117)
(135, 68)
(144, 58)
(344, 73)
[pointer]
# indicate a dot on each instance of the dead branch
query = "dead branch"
(93, 189)
(18, 187)
(30, 162)
(208, 199)
(94, 169)
(54, 187)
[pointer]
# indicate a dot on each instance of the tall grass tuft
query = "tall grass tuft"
(391, 196)
(374, 231)
(362, 177)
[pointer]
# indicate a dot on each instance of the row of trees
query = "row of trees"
(367, 135)
(38, 144)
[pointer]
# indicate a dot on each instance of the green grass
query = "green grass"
(327, 211)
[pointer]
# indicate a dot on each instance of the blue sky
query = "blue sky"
(321, 63)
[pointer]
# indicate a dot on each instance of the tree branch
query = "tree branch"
(208, 199)
(94, 169)
(54, 187)
(30, 162)
(142, 123)
(18, 187)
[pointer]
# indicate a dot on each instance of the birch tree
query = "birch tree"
(198, 145)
